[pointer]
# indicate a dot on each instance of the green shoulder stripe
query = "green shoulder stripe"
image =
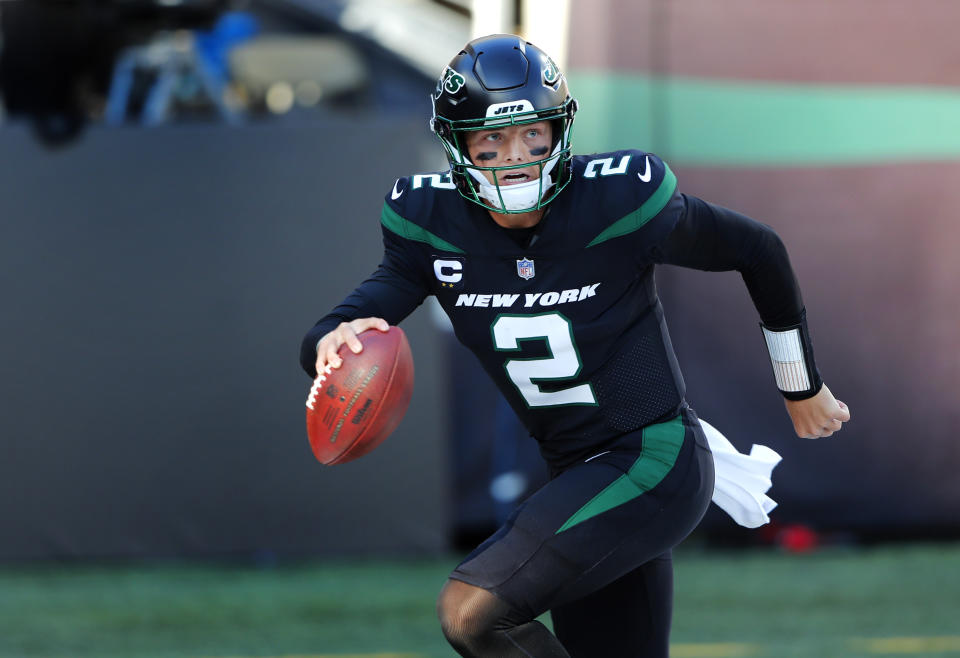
(661, 445)
(407, 229)
(644, 213)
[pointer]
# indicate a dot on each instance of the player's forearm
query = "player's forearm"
(713, 238)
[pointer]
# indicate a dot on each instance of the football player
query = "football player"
(544, 262)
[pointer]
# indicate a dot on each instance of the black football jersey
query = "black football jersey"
(567, 321)
(568, 326)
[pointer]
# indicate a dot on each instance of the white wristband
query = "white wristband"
(787, 357)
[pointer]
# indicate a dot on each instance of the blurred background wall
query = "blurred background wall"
(839, 125)
(156, 285)
(186, 187)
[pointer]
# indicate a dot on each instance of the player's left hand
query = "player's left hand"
(819, 416)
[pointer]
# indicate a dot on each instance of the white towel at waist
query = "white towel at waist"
(742, 481)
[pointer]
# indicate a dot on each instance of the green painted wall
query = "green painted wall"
(727, 122)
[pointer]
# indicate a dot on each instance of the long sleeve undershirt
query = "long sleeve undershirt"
(706, 237)
(715, 239)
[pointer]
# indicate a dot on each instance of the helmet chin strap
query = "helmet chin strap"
(520, 196)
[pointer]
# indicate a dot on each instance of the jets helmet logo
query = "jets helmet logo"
(550, 73)
(451, 82)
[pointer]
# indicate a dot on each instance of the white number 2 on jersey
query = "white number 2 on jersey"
(563, 364)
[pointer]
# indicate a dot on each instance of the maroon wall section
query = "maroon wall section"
(875, 252)
(875, 248)
(846, 41)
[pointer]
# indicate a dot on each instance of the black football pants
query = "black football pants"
(593, 545)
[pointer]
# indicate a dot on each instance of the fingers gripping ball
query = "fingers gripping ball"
(353, 408)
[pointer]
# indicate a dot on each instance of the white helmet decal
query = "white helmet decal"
(508, 108)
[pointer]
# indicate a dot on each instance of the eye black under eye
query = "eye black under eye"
(487, 155)
(540, 150)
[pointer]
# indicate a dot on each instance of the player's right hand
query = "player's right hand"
(346, 332)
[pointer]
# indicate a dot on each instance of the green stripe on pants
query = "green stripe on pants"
(661, 445)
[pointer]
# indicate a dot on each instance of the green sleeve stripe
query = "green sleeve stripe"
(644, 213)
(661, 445)
(407, 229)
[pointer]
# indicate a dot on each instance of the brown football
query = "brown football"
(353, 408)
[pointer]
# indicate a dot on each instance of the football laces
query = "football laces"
(317, 385)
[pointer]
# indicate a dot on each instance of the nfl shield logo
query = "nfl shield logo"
(525, 269)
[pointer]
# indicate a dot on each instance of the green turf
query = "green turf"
(823, 605)
(818, 605)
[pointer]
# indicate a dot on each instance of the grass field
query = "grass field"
(837, 603)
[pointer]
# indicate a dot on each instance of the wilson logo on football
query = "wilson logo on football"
(361, 412)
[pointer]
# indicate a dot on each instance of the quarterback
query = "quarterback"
(544, 261)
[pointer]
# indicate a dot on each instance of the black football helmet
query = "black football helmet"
(501, 80)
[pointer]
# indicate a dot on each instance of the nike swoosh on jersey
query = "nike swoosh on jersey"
(646, 175)
(396, 195)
